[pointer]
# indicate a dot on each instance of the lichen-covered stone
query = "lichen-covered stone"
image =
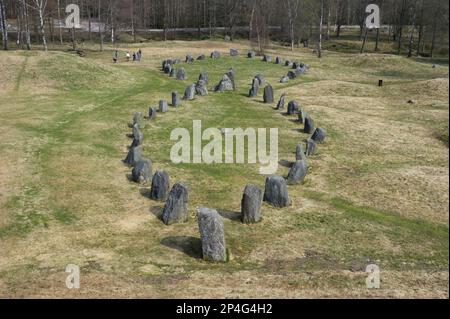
(212, 235)
(160, 186)
(251, 204)
(142, 171)
(298, 172)
(176, 208)
(276, 192)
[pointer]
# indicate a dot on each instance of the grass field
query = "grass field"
(377, 191)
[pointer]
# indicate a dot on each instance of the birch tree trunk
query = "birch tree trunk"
(3, 25)
(319, 47)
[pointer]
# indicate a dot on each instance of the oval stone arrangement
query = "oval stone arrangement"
(275, 193)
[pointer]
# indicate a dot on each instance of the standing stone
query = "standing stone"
(278, 60)
(181, 74)
(138, 137)
(175, 210)
(160, 186)
(200, 88)
(137, 120)
(189, 93)
(255, 88)
(284, 79)
(302, 115)
(287, 63)
(201, 57)
(276, 192)
(215, 55)
(189, 58)
(231, 74)
(135, 131)
(292, 107)
(251, 204)
(267, 58)
(251, 54)
(142, 171)
(280, 104)
(151, 113)
(311, 147)
(299, 154)
(163, 106)
(268, 94)
(224, 85)
(309, 125)
(261, 79)
(173, 73)
(176, 101)
(203, 77)
(212, 235)
(319, 135)
(298, 172)
(234, 52)
(167, 68)
(292, 75)
(134, 155)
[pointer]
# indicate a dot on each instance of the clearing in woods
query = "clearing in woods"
(377, 190)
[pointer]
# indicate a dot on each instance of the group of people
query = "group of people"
(136, 56)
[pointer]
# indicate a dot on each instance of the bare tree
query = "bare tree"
(40, 6)
(3, 25)
(292, 10)
(319, 45)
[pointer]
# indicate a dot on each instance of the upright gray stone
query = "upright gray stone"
(173, 73)
(176, 101)
(151, 113)
(268, 94)
(225, 84)
(160, 186)
(302, 115)
(134, 155)
(319, 135)
(311, 147)
(278, 60)
(292, 107)
(138, 137)
(189, 93)
(255, 88)
(200, 88)
(163, 106)
(251, 204)
(203, 77)
(215, 55)
(138, 120)
(288, 63)
(135, 131)
(189, 58)
(309, 125)
(276, 192)
(201, 57)
(280, 104)
(176, 208)
(292, 75)
(231, 74)
(167, 68)
(212, 234)
(142, 171)
(261, 79)
(299, 153)
(284, 79)
(234, 52)
(298, 172)
(251, 54)
(267, 58)
(181, 74)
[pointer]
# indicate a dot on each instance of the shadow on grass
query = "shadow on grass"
(191, 246)
(228, 214)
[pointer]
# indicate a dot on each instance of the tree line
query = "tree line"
(415, 27)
